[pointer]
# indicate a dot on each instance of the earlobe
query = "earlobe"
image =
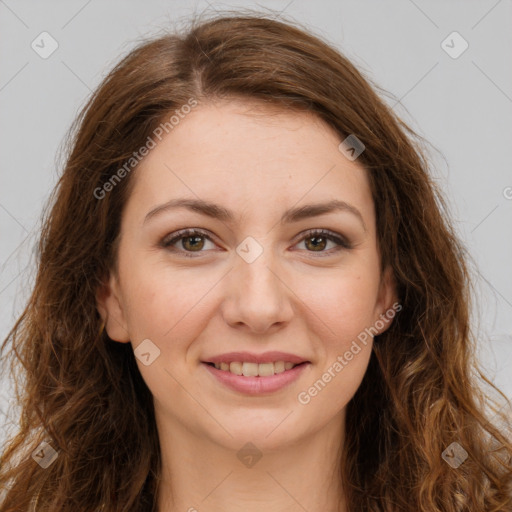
(110, 308)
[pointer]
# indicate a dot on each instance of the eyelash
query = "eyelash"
(189, 232)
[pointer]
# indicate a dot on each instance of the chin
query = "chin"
(267, 431)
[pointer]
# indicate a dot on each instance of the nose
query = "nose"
(257, 298)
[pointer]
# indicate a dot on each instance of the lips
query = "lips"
(256, 373)
(248, 357)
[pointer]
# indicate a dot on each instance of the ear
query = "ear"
(110, 307)
(387, 305)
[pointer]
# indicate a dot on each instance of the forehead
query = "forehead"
(250, 156)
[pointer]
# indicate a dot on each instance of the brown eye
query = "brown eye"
(192, 243)
(318, 243)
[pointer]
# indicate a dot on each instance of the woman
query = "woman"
(248, 298)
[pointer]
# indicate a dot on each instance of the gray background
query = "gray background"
(461, 105)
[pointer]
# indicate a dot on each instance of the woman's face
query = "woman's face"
(252, 285)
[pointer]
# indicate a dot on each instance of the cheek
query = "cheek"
(160, 305)
(332, 388)
(169, 312)
(343, 313)
(344, 305)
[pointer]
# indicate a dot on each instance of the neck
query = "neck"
(199, 474)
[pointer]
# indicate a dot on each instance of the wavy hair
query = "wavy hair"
(83, 394)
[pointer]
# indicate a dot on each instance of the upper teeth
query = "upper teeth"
(255, 369)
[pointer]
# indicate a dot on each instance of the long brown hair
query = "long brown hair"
(83, 394)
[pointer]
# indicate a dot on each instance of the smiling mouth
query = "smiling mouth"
(255, 369)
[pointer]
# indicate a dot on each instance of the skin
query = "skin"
(258, 163)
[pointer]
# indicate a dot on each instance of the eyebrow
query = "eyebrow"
(216, 211)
